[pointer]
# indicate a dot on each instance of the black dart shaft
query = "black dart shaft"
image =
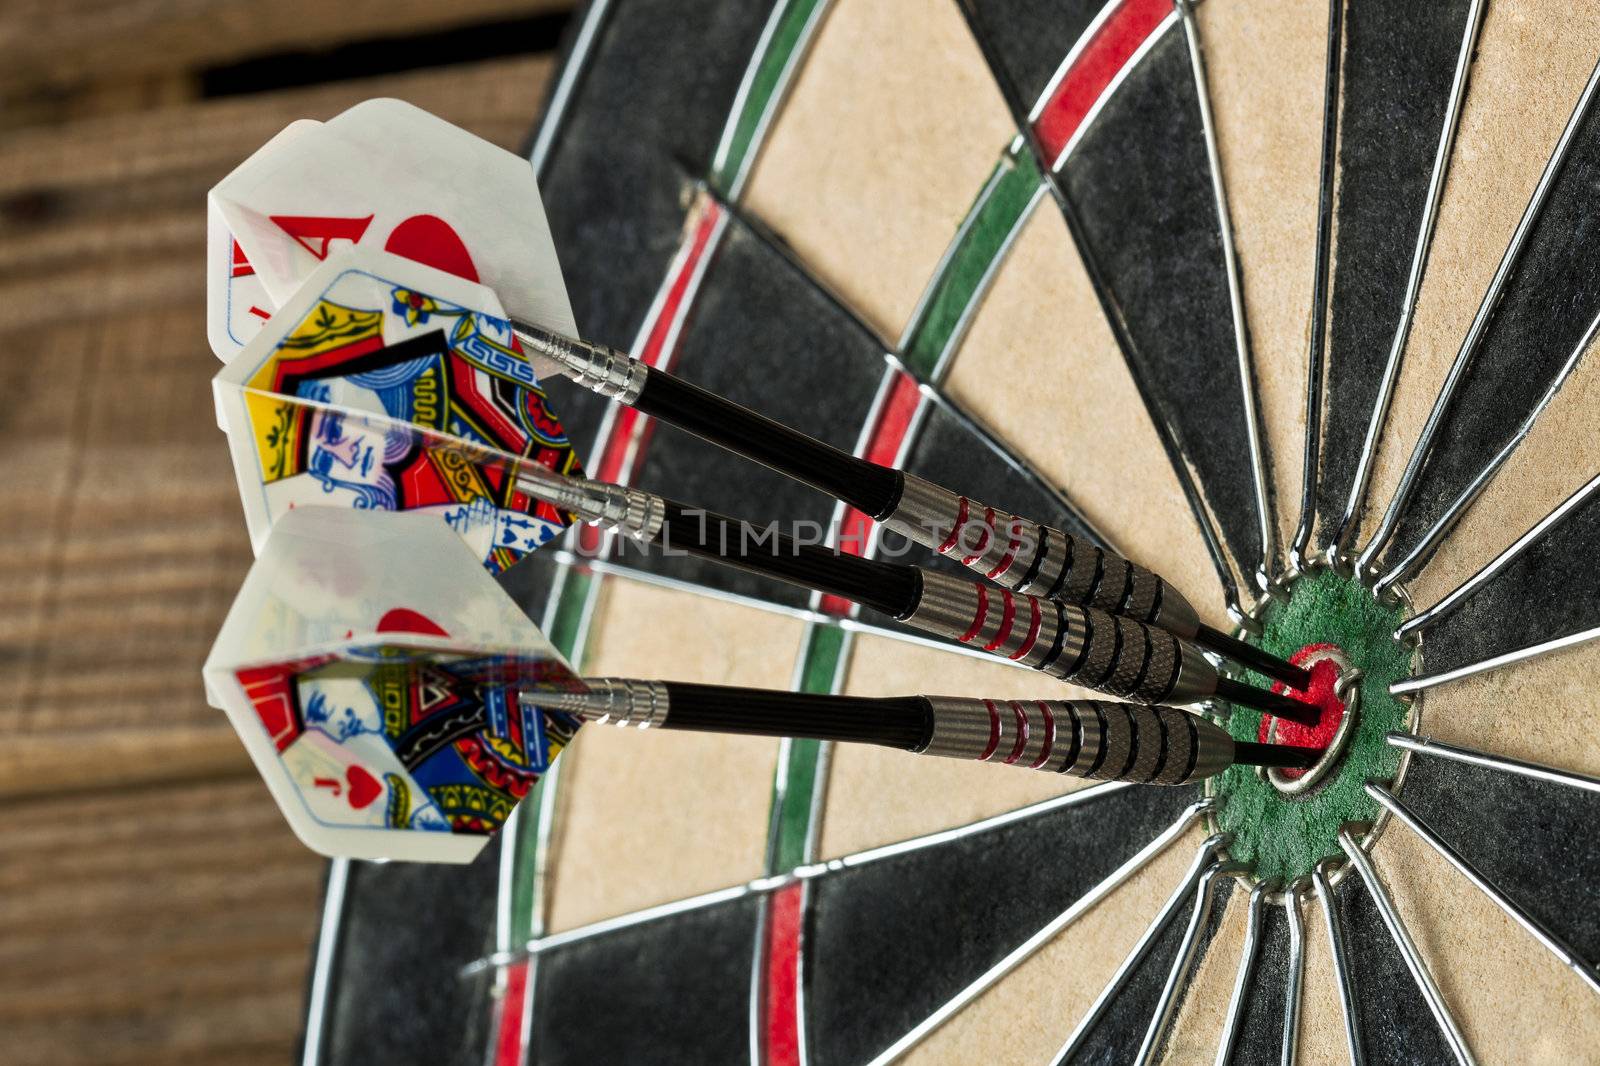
(1083, 645)
(1082, 738)
(1013, 551)
(1255, 658)
(1282, 756)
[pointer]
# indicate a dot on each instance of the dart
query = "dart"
(1084, 645)
(379, 698)
(1019, 554)
(337, 403)
(402, 711)
(1096, 739)
(267, 204)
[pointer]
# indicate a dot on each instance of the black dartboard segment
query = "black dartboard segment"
(643, 97)
(1542, 321)
(673, 991)
(1122, 1029)
(1396, 1025)
(1141, 182)
(398, 998)
(1398, 65)
(1533, 840)
(1260, 1033)
(1551, 590)
(928, 923)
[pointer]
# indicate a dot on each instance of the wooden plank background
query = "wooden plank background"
(153, 905)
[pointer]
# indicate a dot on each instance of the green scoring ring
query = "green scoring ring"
(1282, 836)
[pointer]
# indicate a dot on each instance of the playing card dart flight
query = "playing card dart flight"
(1082, 738)
(381, 175)
(378, 386)
(374, 672)
(386, 174)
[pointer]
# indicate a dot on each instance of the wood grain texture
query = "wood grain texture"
(154, 906)
(59, 42)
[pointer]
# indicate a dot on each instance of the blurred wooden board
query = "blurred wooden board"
(153, 905)
(52, 43)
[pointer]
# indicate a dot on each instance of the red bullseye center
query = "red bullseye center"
(1323, 662)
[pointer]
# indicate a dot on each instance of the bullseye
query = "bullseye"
(1285, 822)
(1327, 664)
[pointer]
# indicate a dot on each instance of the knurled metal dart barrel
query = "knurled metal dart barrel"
(1013, 551)
(1084, 645)
(1096, 739)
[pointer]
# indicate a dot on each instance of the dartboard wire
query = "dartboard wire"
(1453, 600)
(1531, 925)
(506, 978)
(573, 69)
(1423, 682)
(515, 983)
(809, 872)
(625, 432)
(526, 855)
(1205, 859)
(1424, 745)
(1423, 552)
(539, 913)
(1340, 540)
(1030, 947)
(1250, 391)
(1136, 57)
(1292, 899)
(1322, 271)
(318, 1012)
(1464, 357)
(1249, 953)
(1341, 964)
(1109, 308)
(818, 803)
(1183, 963)
(1408, 948)
(800, 782)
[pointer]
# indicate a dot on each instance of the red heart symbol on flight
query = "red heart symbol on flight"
(364, 788)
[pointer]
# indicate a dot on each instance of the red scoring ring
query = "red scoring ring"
(1325, 672)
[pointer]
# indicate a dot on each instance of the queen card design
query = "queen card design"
(387, 385)
(384, 685)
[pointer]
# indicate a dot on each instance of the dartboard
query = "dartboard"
(1292, 300)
